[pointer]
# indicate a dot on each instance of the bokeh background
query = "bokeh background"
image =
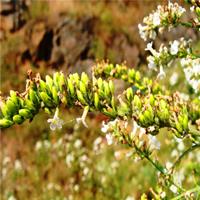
(71, 36)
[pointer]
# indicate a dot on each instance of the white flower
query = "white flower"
(142, 32)
(117, 154)
(38, 145)
(174, 47)
(137, 131)
(97, 141)
(181, 146)
(83, 117)
(151, 128)
(156, 19)
(109, 139)
(174, 153)
(161, 74)
(169, 165)
(153, 142)
(96, 144)
(55, 122)
(192, 8)
(6, 160)
(162, 194)
(174, 189)
(150, 48)
(184, 96)
(151, 62)
(104, 127)
(11, 198)
(18, 165)
(130, 198)
(76, 188)
(86, 170)
(69, 159)
(134, 130)
(173, 79)
(78, 143)
(179, 177)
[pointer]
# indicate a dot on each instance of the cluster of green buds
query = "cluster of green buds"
(151, 111)
(132, 76)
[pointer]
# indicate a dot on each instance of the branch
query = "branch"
(177, 162)
(147, 109)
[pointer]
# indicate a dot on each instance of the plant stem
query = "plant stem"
(196, 189)
(192, 148)
(157, 165)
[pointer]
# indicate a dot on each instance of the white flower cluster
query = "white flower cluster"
(138, 134)
(105, 129)
(165, 55)
(164, 16)
(192, 72)
(141, 139)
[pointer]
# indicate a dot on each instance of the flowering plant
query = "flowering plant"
(139, 112)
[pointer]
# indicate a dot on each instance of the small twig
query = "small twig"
(196, 189)
(192, 148)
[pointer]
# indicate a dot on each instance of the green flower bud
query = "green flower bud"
(100, 83)
(56, 77)
(34, 97)
(96, 100)
(14, 97)
(131, 74)
(137, 76)
(82, 87)
(142, 120)
(149, 115)
(152, 100)
(61, 82)
(55, 95)
(179, 127)
(80, 97)
(30, 105)
(64, 100)
(4, 110)
(43, 86)
(109, 112)
(185, 122)
(18, 119)
(123, 109)
(106, 88)
(75, 78)
(129, 94)
(163, 115)
(197, 10)
(47, 110)
(113, 104)
(124, 77)
(163, 104)
(46, 99)
(49, 81)
(11, 107)
(70, 87)
(25, 113)
(111, 86)
(5, 123)
(84, 78)
(137, 102)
